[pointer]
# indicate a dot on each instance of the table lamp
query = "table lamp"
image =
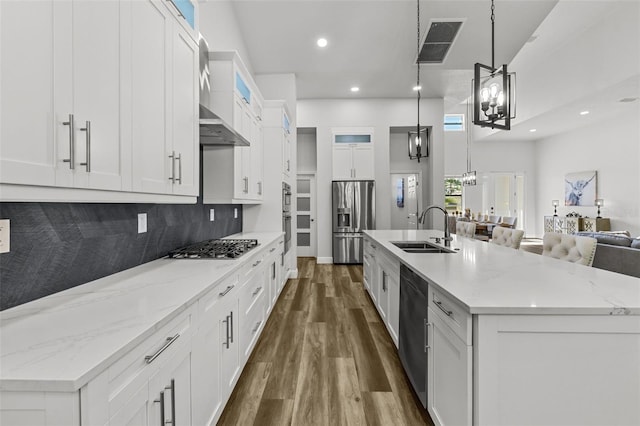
(555, 204)
(599, 203)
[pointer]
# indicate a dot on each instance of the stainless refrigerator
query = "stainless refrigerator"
(353, 211)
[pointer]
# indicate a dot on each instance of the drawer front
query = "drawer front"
(451, 313)
(251, 293)
(252, 324)
(137, 366)
(226, 289)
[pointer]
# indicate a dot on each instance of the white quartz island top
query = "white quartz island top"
(60, 342)
(491, 279)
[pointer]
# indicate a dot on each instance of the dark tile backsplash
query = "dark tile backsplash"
(56, 246)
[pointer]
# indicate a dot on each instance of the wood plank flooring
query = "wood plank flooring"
(324, 358)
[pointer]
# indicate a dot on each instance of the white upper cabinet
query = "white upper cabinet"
(113, 96)
(61, 112)
(353, 154)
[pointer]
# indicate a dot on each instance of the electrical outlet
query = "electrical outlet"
(212, 215)
(235, 212)
(5, 236)
(142, 223)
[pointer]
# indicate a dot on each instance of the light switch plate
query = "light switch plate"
(212, 215)
(235, 212)
(5, 235)
(142, 223)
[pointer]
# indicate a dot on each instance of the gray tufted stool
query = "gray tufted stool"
(465, 229)
(507, 237)
(571, 248)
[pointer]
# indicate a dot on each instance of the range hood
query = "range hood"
(216, 131)
(213, 129)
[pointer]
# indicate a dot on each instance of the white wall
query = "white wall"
(381, 114)
(612, 148)
(306, 150)
(219, 26)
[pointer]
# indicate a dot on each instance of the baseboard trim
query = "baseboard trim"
(324, 260)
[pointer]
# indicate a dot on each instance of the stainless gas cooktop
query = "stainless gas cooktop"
(214, 249)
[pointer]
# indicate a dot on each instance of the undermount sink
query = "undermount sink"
(420, 247)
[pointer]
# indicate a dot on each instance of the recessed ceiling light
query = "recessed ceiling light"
(625, 100)
(416, 88)
(322, 42)
(355, 89)
(584, 112)
(533, 130)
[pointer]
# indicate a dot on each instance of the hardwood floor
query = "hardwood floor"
(324, 358)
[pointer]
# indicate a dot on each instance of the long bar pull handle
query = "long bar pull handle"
(161, 401)
(226, 321)
(177, 9)
(426, 335)
(256, 264)
(172, 388)
(172, 178)
(384, 281)
(442, 308)
(272, 250)
(257, 290)
(87, 129)
(231, 319)
(246, 184)
(150, 358)
(227, 290)
(256, 327)
(260, 188)
(72, 144)
(179, 159)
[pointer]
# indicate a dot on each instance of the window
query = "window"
(454, 122)
(453, 194)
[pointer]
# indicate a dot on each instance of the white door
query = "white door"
(412, 202)
(508, 196)
(305, 215)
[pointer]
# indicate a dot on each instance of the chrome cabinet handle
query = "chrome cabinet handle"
(161, 401)
(175, 6)
(226, 321)
(172, 388)
(172, 178)
(72, 144)
(87, 129)
(256, 264)
(256, 327)
(227, 290)
(150, 358)
(260, 188)
(384, 281)
(246, 184)
(273, 271)
(442, 308)
(256, 291)
(272, 250)
(231, 320)
(426, 335)
(179, 158)
(288, 165)
(281, 259)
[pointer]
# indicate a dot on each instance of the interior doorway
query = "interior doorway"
(405, 199)
(306, 233)
(505, 195)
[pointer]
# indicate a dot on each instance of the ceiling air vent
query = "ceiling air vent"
(438, 41)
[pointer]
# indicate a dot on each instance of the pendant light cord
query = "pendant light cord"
(418, 75)
(493, 21)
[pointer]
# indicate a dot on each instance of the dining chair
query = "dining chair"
(572, 248)
(492, 222)
(466, 229)
(509, 221)
(507, 237)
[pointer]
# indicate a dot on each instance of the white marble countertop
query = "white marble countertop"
(60, 342)
(491, 279)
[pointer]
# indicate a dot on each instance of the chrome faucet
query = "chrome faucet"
(447, 235)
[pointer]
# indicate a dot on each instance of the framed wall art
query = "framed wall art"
(580, 189)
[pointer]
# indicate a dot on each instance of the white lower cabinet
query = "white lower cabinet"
(382, 276)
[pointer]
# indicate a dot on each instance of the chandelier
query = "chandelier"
(493, 90)
(419, 138)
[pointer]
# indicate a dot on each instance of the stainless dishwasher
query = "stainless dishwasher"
(412, 341)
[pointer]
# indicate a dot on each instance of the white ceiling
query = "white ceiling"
(372, 44)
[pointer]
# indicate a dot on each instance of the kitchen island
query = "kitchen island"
(517, 338)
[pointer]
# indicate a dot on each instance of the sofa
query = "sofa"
(616, 252)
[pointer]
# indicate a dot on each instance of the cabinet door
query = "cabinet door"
(257, 160)
(342, 165)
(170, 390)
(393, 319)
(449, 393)
(286, 154)
(136, 411)
(150, 41)
(383, 294)
(206, 397)
(184, 102)
(30, 123)
(229, 347)
(363, 161)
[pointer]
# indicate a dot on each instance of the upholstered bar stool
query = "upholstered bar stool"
(465, 229)
(507, 237)
(571, 248)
